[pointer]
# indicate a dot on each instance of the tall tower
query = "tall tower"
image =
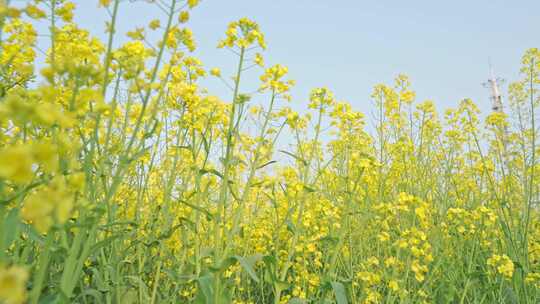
(493, 84)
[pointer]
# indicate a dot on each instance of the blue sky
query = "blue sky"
(349, 46)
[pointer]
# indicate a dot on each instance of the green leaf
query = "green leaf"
(294, 156)
(209, 215)
(332, 240)
(266, 164)
(95, 294)
(186, 147)
(248, 263)
(341, 294)
(270, 261)
(206, 145)
(243, 98)
(290, 226)
(213, 171)
(141, 286)
(10, 231)
(205, 285)
(105, 242)
(510, 296)
(309, 189)
(129, 295)
(138, 155)
(34, 235)
(151, 132)
(100, 283)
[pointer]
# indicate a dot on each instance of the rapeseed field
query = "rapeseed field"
(123, 180)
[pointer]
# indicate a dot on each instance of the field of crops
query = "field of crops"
(123, 180)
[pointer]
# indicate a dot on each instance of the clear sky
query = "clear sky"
(351, 45)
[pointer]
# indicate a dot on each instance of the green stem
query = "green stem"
(220, 219)
(41, 272)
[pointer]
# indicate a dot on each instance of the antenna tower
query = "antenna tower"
(493, 84)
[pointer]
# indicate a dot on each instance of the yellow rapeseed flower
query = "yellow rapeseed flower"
(192, 3)
(105, 2)
(501, 264)
(215, 72)
(46, 154)
(393, 285)
(154, 24)
(13, 284)
(259, 60)
(183, 17)
(16, 163)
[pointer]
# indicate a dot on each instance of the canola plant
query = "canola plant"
(123, 180)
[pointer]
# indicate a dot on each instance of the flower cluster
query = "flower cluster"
(243, 34)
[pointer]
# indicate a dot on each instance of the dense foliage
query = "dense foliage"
(122, 180)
